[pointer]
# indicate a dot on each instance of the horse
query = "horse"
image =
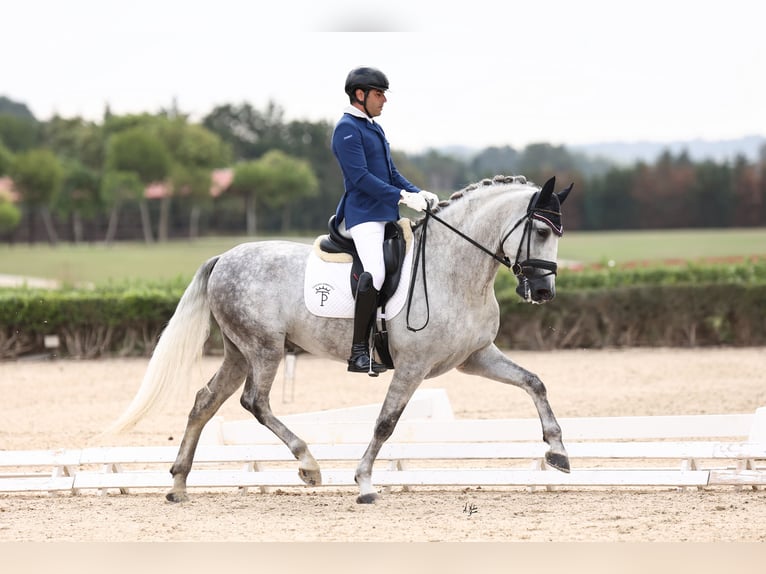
(254, 293)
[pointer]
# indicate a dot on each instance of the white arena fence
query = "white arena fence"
(430, 448)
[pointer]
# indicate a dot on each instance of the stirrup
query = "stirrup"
(362, 362)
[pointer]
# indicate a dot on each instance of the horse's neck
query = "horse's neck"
(485, 220)
(488, 216)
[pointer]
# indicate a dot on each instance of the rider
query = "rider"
(373, 190)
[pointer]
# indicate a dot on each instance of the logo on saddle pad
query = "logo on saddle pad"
(327, 287)
(323, 291)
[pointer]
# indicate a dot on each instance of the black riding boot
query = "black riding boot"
(364, 315)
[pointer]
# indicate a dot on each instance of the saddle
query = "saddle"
(394, 249)
(338, 246)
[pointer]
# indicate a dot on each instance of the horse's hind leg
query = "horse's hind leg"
(490, 362)
(255, 398)
(209, 399)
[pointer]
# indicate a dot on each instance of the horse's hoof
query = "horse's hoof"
(310, 477)
(557, 461)
(176, 496)
(368, 498)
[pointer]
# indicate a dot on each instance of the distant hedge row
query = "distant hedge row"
(88, 323)
(693, 305)
(742, 271)
(686, 315)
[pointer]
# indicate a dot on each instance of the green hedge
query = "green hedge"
(645, 315)
(89, 323)
(752, 271)
(691, 305)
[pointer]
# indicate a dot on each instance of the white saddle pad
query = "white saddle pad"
(327, 287)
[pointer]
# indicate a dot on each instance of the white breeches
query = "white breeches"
(368, 238)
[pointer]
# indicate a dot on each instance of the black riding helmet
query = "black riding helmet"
(365, 79)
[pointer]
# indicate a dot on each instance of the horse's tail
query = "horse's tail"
(178, 350)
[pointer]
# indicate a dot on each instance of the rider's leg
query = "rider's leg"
(364, 315)
(368, 239)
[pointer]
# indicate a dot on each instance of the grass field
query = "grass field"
(99, 264)
(658, 246)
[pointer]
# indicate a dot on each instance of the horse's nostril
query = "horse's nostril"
(543, 295)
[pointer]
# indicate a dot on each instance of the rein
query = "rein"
(518, 269)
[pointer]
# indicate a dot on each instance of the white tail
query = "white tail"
(177, 352)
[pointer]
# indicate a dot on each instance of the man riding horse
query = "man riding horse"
(373, 190)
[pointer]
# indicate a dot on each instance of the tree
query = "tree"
(75, 139)
(195, 151)
(311, 141)
(117, 188)
(19, 133)
(141, 152)
(493, 161)
(608, 203)
(538, 161)
(277, 180)
(10, 216)
(6, 160)
(434, 171)
(37, 175)
(246, 180)
(249, 132)
(12, 108)
(192, 152)
(283, 181)
(663, 193)
(761, 185)
(79, 197)
(712, 195)
(412, 172)
(745, 194)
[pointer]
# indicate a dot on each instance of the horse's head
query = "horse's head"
(535, 264)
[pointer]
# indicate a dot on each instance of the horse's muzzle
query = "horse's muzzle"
(537, 280)
(536, 291)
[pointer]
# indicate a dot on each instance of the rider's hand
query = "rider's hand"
(416, 201)
(431, 198)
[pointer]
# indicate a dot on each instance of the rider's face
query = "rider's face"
(375, 101)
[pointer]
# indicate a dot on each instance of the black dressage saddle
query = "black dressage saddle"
(394, 248)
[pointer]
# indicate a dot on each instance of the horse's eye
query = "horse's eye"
(543, 232)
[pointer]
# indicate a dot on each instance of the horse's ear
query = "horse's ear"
(546, 192)
(563, 195)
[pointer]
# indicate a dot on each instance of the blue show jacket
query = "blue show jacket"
(371, 180)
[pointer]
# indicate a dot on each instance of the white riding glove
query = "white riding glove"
(416, 201)
(431, 198)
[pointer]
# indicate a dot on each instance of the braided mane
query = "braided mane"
(484, 183)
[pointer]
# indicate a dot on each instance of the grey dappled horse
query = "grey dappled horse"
(255, 294)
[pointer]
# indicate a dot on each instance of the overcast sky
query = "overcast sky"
(472, 73)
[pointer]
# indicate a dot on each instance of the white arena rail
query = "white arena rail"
(429, 448)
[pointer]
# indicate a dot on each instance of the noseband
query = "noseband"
(529, 268)
(524, 271)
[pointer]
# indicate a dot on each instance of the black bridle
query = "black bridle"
(524, 270)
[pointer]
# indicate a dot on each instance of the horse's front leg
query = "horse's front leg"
(491, 363)
(397, 397)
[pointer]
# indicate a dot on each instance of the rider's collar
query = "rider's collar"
(356, 112)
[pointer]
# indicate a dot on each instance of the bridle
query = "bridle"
(524, 271)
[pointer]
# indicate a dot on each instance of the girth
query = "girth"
(394, 248)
